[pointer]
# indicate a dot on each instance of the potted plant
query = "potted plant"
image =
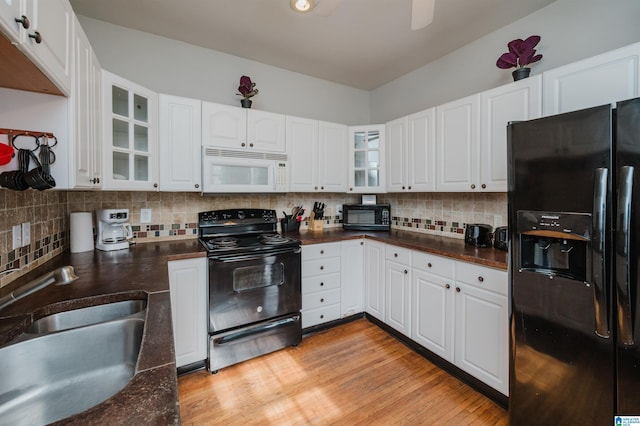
(521, 54)
(247, 90)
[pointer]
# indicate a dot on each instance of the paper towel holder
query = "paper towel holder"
(81, 232)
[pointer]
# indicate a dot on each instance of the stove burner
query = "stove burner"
(224, 242)
(272, 239)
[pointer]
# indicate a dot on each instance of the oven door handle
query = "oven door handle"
(245, 257)
(255, 330)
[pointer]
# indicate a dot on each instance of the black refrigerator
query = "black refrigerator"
(574, 224)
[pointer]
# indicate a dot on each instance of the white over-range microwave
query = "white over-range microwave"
(225, 170)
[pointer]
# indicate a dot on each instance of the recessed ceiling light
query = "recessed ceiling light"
(302, 6)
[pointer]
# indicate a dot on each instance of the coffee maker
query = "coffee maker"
(113, 231)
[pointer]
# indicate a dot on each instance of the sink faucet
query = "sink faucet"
(61, 276)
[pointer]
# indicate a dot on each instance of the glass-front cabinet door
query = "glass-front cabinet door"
(130, 135)
(366, 164)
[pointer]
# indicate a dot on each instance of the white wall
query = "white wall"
(177, 68)
(570, 30)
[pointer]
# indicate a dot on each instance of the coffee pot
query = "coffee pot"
(113, 231)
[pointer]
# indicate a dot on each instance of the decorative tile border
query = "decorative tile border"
(429, 226)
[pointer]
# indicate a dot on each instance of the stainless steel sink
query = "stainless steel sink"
(86, 316)
(48, 377)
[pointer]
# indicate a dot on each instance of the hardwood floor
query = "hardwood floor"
(354, 374)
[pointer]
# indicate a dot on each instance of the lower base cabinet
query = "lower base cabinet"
(188, 290)
(320, 283)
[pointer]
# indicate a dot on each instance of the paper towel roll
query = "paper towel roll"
(81, 229)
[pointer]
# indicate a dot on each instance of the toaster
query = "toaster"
(501, 238)
(478, 234)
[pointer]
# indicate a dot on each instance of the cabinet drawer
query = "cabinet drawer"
(323, 298)
(320, 251)
(398, 254)
(482, 277)
(320, 315)
(320, 266)
(318, 283)
(434, 264)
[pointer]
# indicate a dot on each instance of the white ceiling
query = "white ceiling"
(363, 43)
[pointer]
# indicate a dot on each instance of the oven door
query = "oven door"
(246, 289)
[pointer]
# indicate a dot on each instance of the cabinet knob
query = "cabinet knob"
(321, 316)
(483, 186)
(473, 186)
(95, 180)
(429, 264)
(322, 300)
(395, 254)
(447, 286)
(480, 278)
(243, 144)
(315, 187)
(321, 251)
(322, 268)
(197, 185)
(98, 180)
(251, 145)
(403, 188)
(321, 284)
(322, 187)
(36, 36)
(406, 272)
(409, 188)
(24, 21)
(457, 289)
(155, 185)
(361, 243)
(350, 189)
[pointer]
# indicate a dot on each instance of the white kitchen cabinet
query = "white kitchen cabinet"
(398, 289)
(48, 40)
(457, 134)
(321, 266)
(352, 277)
(85, 118)
(188, 290)
(366, 159)
(610, 77)
(130, 141)
(10, 10)
(481, 324)
(432, 303)
(232, 127)
(411, 153)
(179, 143)
(374, 277)
(318, 155)
(521, 100)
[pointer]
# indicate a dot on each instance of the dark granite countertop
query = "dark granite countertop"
(443, 246)
(151, 397)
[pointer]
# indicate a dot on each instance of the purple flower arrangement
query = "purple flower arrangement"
(247, 88)
(521, 53)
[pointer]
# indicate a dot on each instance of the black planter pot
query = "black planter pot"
(521, 73)
(246, 103)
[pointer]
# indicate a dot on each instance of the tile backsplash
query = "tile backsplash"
(174, 215)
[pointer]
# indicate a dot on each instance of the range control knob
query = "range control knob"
(241, 215)
(259, 309)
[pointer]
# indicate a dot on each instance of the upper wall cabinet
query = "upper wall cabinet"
(411, 153)
(366, 159)
(457, 134)
(42, 30)
(179, 143)
(518, 101)
(607, 78)
(318, 155)
(85, 152)
(242, 128)
(130, 141)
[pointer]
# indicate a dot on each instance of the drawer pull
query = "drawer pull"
(322, 300)
(395, 254)
(24, 21)
(457, 289)
(480, 278)
(321, 316)
(321, 268)
(321, 284)
(406, 272)
(447, 286)
(321, 251)
(429, 264)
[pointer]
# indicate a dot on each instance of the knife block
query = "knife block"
(315, 225)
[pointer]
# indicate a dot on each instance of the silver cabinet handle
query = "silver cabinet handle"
(598, 244)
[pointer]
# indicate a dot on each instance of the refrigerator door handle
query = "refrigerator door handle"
(598, 245)
(622, 255)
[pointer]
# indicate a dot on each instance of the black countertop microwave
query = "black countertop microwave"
(366, 217)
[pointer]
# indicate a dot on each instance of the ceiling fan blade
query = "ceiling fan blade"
(422, 13)
(326, 7)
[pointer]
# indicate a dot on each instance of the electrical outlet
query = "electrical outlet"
(26, 233)
(17, 237)
(145, 215)
(338, 209)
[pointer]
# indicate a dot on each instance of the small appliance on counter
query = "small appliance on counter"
(366, 217)
(81, 232)
(113, 232)
(478, 234)
(501, 238)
